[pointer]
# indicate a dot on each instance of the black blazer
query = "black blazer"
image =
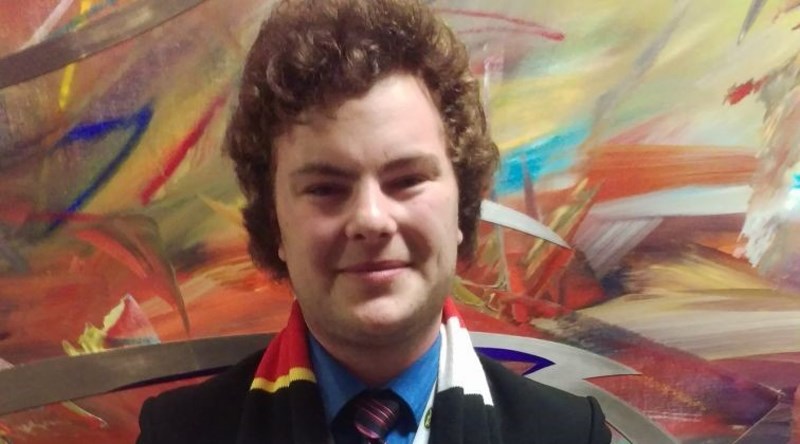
(528, 412)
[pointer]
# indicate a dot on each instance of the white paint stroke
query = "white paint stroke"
(502, 215)
(5, 364)
(685, 201)
(760, 227)
(49, 23)
(606, 242)
(689, 321)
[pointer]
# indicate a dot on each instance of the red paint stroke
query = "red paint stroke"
(132, 324)
(104, 242)
(68, 217)
(479, 321)
(180, 151)
(523, 309)
(15, 212)
(544, 31)
(539, 32)
(13, 217)
(739, 92)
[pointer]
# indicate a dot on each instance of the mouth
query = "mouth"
(375, 273)
(375, 267)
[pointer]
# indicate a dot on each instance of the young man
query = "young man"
(362, 148)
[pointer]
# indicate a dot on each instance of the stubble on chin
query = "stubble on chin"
(378, 330)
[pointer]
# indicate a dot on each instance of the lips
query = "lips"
(375, 266)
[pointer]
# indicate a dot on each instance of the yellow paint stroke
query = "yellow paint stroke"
(85, 414)
(230, 213)
(66, 85)
(464, 295)
(295, 374)
(69, 72)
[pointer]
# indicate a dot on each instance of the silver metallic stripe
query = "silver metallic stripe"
(510, 218)
(68, 378)
(94, 37)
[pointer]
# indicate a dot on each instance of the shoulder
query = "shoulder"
(526, 408)
(199, 413)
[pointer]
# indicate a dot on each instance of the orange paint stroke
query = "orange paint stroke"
(113, 248)
(627, 170)
(179, 152)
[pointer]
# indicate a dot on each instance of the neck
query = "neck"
(377, 364)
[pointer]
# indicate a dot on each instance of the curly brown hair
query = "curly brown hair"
(319, 53)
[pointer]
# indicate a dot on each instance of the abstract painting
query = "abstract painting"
(659, 138)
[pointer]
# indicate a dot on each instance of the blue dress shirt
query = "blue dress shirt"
(337, 386)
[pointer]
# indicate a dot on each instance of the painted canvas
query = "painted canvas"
(658, 138)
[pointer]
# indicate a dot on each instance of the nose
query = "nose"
(370, 216)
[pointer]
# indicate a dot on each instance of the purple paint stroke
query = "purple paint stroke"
(503, 354)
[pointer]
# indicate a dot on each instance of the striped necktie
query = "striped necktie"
(375, 414)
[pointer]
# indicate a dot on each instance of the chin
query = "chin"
(381, 310)
(393, 315)
(382, 314)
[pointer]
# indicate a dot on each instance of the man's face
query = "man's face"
(367, 204)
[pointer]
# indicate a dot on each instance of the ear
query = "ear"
(281, 253)
(460, 237)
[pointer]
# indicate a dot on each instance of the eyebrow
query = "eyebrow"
(323, 169)
(427, 162)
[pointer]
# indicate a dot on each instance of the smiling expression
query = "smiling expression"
(367, 205)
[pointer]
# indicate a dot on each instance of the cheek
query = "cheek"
(317, 240)
(447, 213)
(438, 220)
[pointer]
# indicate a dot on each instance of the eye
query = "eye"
(324, 190)
(408, 181)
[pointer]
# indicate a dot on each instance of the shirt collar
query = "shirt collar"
(337, 385)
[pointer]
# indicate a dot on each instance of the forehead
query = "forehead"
(396, 117)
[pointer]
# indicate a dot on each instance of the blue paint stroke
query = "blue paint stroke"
(88, 132)
(91, 131)
(796, 181)
(503, 354)
(548, 155)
